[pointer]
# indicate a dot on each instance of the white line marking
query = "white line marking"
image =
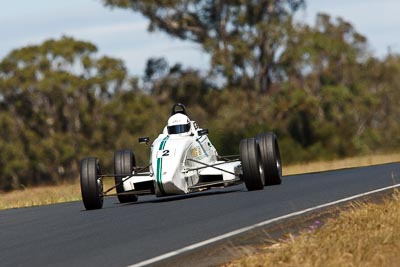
(248, 228)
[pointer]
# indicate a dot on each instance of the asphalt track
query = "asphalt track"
(121, 235)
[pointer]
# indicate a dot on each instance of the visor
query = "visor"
(177, 129)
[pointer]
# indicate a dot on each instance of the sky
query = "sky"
(123, 34)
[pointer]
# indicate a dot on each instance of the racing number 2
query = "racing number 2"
(163, 153)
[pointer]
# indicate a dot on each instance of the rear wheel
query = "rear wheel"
(91, 184)
(270, 158)
(124, 162)
(252, 170)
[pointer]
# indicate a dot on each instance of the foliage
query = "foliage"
(52, 101)
(243, 38)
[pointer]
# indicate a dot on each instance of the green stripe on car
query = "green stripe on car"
(159, 166)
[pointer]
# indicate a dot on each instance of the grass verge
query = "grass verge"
(364, 235)
(341, 164)
(40, 196)
(43, 195)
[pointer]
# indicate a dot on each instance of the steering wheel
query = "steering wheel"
(182, 109)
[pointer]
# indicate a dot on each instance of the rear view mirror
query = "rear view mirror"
(144, 140)
(202, 132)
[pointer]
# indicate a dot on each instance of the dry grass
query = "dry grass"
(341, 164)
(40, 196)
(43, 195)
(366, 235)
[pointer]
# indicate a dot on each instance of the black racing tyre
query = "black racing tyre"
(252, 170)
(270, 158)
(124, 162)
(91, 184)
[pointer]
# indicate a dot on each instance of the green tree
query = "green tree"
(244, 38)
(51, 98)
(176, 83)
(343, 88)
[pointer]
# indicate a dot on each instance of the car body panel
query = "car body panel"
(178, 161)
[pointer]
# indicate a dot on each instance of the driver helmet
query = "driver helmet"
(178, 124)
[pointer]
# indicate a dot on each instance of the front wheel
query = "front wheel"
(252, 170)
(91, 184)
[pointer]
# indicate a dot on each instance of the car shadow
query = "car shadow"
(182, 197)
(166, 199)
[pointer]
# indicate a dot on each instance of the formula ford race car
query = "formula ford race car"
(183, 160)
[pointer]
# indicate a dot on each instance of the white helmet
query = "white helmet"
(178, 123)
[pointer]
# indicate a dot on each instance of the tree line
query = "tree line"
(317, 86)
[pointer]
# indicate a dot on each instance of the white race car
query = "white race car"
(183, 160)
